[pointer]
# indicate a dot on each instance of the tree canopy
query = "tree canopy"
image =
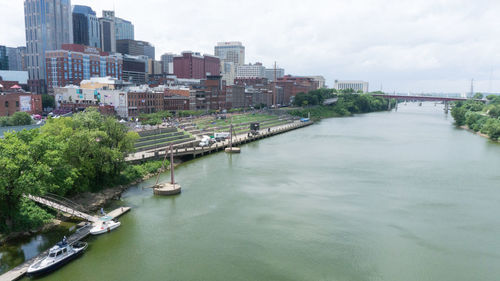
(65, 156)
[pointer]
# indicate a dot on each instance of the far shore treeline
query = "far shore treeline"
(478, 116)
(348, 103)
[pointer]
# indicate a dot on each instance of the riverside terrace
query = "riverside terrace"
(186, 137)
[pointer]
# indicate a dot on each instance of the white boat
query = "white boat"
(103, 225)
(58, 256)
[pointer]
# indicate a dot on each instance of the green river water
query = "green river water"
(383, 196)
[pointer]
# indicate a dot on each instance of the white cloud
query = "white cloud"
(427, 45)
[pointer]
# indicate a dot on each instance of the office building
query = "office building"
(108, 35)
(195, 66)
(320, 80)
(270, 73)
(355, 85)
(135, 69)
(86, 29)
(167, 61)
(231, 52)
(135, 48)
(17, 59)
(228, 72)
(256, 70)
(115, 29)
(49, 24)
(4, 59)
(74, 63)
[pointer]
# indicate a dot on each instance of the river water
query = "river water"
(383, 196)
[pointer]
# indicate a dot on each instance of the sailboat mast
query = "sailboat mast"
(231, 134)
(172, 164)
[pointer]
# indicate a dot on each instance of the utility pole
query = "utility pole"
(472, 88)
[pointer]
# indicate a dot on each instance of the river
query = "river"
(382, 196)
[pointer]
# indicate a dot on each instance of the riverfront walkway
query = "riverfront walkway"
(196, 151)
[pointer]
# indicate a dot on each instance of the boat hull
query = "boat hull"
(53, 267)
(99, 230)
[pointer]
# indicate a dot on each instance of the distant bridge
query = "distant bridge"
(424, 98)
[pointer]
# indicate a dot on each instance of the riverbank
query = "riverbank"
(342, 105)
(465, 127)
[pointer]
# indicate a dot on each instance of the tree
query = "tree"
(494, 111)
(458, 113)
(48, 101)
(29, 164)
(20, 118)
(478, 96)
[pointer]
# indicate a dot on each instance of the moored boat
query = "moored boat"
(59, 255)
(103, 225)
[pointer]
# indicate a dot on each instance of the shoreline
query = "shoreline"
(465, 127)
(94, 201)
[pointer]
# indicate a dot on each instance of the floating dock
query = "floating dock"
(81, 233)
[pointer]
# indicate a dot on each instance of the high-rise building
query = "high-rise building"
(17, 59)
(256, 70)
(74, 63)
(195, 66)
(167, 61)
(49, 24)
(135, 48)
(86, 29)
(108, 35)
(4, 59)
(270, 73)
(231, 51)
(124, 29)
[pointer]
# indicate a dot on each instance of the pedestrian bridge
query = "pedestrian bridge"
(63, 205)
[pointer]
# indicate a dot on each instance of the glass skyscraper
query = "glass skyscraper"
(86, 30)
(48, 25)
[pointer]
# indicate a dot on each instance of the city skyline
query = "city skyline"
(416, 47)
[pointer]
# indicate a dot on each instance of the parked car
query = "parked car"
(221, 136)
(206, 141)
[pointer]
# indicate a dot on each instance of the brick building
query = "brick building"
(194, 66)
(210, 94)
(74, 63)
(144, 100)
(12, 102)
(177, 99)
(292, 85)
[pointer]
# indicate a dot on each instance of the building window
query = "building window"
(17, 103)
(6, 103)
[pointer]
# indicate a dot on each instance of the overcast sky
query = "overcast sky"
(417, 46)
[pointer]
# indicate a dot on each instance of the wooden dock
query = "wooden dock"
(219, 146)
(80, 234)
